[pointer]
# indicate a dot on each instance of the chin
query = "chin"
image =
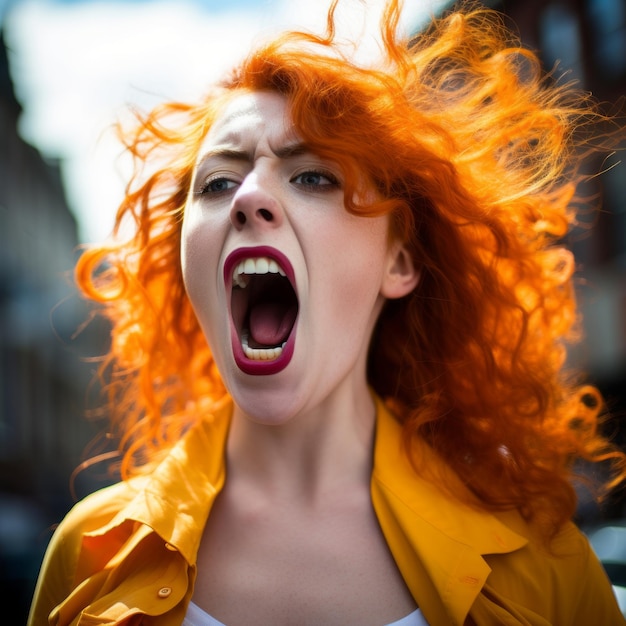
(271, 409)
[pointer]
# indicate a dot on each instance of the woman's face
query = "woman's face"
(286, 284)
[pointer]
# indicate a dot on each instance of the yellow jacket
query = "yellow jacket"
(126, 554)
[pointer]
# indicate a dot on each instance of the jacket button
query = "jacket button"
(164, 592)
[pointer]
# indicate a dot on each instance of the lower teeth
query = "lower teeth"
(260, 354)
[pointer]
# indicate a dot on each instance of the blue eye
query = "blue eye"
(315, 180)
(217, 186)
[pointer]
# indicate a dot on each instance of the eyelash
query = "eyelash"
(205, 189)
(332, 179)
(333, 183)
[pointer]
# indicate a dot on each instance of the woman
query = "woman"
(336, 369)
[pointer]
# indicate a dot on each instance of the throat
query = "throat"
(270, 324)
(264, 311)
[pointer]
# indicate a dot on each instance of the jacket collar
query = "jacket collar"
(438, 542)
(175, 499)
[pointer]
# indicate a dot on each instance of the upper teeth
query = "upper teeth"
(262, 265)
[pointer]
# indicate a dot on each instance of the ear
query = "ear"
(401, 275)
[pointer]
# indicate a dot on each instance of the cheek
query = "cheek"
(200, 267)
(361, 246)
(355, 258)
(348, 232)
(199, 260)
(190, 258)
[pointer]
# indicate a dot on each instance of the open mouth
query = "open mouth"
(263, 307)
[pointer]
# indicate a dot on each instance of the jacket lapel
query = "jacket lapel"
(438, 542)
(175, 500)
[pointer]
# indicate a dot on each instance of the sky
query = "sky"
(77, 65)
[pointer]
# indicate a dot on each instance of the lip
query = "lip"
(246, 365)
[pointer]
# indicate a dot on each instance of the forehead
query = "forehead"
(249, 117)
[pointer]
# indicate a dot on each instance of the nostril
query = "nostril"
(240, 217)
(266, 215)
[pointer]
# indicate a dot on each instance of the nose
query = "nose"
(254, 205)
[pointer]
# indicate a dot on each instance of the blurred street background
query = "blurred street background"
(67, 70)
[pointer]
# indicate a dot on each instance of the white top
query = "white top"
(197, 617)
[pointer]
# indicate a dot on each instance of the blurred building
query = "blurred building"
(43, 380)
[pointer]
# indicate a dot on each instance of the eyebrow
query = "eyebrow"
(228, 154)
(292, 150)
(232, 154)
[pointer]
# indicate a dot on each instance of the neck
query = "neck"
(318, 451)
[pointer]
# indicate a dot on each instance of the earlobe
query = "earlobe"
(401, 275)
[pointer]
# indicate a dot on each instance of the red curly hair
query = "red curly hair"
(477, 156)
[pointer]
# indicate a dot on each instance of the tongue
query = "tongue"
(271, 323)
